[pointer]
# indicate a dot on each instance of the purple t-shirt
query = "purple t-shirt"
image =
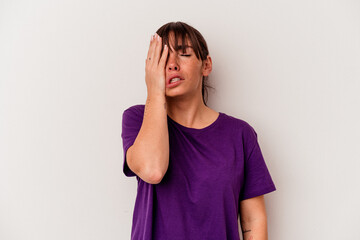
(210, 171)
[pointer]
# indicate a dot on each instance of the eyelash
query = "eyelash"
(186, 55)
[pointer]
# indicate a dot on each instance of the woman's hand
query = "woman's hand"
(155, 66)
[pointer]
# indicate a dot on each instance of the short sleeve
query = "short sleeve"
(131, 124)
(257, 179)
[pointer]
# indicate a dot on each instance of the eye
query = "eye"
(186, 55)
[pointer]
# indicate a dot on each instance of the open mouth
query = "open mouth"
(176, 79)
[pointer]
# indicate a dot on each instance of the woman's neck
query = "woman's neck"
(194, 113)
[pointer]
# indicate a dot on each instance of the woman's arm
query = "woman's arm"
(253, 218)
(148, 157)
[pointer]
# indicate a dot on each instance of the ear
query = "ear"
(207, 66)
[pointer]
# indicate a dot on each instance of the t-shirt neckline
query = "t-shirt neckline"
(197, 130)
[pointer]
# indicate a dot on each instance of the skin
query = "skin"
(253, 218)
(148, 157)
(184, 104)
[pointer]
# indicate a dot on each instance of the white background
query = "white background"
(68, 70)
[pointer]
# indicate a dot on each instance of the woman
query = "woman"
(197, 169)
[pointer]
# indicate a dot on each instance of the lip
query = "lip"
(174, 84)
(173, 76)
(170, 85)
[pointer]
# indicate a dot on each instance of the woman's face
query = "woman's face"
(184, 66)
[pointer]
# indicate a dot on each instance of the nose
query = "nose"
(172, 63)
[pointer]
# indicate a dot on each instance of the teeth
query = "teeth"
(174, 80)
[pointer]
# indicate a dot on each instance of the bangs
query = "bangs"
(187, 34)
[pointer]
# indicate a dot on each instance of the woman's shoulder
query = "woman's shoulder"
(240, 127)
(236, 121)
(134, 113)
(137, 108)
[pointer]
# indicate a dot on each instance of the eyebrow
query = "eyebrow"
(179, 47)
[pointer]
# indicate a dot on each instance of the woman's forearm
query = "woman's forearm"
(149, 155)
(255, 229)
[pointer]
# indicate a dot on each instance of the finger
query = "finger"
(151, 48)
(148, 53)
(157, 49)
(164, 56)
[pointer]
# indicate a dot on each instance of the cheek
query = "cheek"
(195, 67)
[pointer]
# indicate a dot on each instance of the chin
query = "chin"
(172, 95)
(173, 92)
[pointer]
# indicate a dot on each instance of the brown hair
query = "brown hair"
(198, 43)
